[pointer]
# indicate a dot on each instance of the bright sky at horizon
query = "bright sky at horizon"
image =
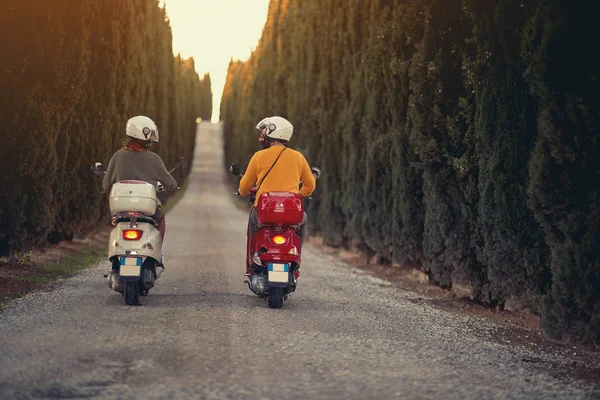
(213, 32)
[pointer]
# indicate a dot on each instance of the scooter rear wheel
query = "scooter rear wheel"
(132, 293)
(275, 298)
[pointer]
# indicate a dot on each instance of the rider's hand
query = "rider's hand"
(253, 191)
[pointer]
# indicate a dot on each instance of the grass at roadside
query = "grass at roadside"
(38, 271)
(72, 263)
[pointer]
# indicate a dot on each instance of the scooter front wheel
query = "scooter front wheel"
(132, 293)
(275, 298)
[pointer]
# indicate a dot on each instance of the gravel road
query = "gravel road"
(201, 334)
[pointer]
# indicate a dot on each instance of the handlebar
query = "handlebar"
(180, 164)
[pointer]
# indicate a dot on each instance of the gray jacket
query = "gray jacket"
(137, 165)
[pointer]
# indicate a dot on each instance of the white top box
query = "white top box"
(138, 196)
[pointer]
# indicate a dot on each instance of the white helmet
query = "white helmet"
(142, 128)
(276, 128)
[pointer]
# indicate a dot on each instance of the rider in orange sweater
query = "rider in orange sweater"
(290, 169)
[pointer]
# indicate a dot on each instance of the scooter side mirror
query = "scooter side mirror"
(235, 169)
(316, 172)
(98, 169)
(180, 163)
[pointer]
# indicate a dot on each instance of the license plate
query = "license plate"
(279, 273)
(131, 266)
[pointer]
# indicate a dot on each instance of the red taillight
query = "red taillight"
(279, 239)
(132, 234)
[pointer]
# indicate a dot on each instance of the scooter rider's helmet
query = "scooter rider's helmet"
(143, 129)
(276, 128)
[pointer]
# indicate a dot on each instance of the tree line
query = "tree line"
(460, 136)
(73, 72)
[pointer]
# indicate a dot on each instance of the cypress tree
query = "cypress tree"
(512, 248)
(47, 83)
(564, 183)
(407, 206)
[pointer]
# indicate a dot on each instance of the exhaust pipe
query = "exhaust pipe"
(257, 284)
(114, 282)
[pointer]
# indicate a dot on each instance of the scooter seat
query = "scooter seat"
(138, 218)
(294, 227)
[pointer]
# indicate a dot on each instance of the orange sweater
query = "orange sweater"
(291, 168)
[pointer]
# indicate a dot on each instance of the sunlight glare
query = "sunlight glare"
(213, 32)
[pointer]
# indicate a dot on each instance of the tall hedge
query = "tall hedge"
(564, 170)
(73, 72)
(457, 135)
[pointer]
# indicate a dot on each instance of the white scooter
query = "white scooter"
(135, 244)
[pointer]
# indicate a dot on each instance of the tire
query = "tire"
(132, 293)
(275, 298)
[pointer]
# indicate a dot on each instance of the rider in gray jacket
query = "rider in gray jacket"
(134, 161)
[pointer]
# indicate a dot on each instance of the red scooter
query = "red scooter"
(273, 255)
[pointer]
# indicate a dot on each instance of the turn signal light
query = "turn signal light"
(279, 239)
(132, 234)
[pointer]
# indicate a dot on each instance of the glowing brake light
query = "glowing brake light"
(279, 239)
(132, 234)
